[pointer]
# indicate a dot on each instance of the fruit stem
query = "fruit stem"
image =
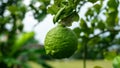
(61, 24)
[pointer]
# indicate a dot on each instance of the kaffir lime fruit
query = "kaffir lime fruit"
(60, 42)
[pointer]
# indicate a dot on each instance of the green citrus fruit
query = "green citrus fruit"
(60, 42)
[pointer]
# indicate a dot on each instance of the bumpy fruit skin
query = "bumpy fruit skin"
(60, 42)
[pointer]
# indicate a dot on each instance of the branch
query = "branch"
(104, 32)
(34, 8)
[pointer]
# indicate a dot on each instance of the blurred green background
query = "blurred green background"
(98, 32)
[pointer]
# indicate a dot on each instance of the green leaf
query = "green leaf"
(58, 2)
(84, 27)
(101, 25)
(93, 41)
(112, 14)
(116, 62)
(93, 22)
(20, 41)
(90, 13)
(77, 31)
(58, 15)
(13, 9)
(113, 4)
(111, 19)
(53, 9)
(46, 2)
(75, 16)
(68, 10)
(70, 19)
(97, 7)
(40, 16)
(71, 2)
(63, 10)
(4, 20)
(83, 24)
(92, 1)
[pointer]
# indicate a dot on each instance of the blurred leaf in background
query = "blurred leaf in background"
(17, 47)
